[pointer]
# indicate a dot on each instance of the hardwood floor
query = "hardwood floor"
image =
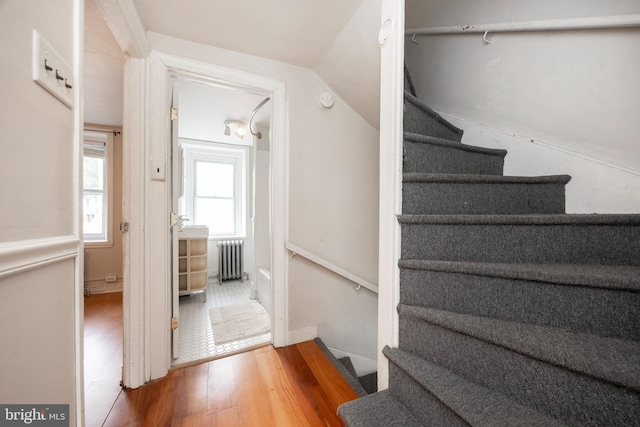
(102, 355)
(290, 386)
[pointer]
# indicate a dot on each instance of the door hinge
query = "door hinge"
(124, 227)
(174, 219)
(174, 323)
(174, 113)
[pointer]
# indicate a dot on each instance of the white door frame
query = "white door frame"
(147, 295)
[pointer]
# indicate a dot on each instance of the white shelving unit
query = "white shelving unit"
(192, 265)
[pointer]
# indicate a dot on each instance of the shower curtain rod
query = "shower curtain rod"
(258, 134)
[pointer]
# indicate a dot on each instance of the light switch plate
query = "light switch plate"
(50, 71)
(158, 171)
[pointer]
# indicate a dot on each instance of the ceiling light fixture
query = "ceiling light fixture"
(240, 131)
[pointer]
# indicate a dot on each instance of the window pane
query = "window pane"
(214, 179)
(92, 205)
(217, 214)
(93, 176)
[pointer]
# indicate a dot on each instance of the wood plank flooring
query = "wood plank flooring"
(102, 355)
(290, 386)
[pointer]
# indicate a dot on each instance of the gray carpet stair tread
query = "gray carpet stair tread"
(482, 194)
(476, 405)
(369, 382)
(408, 82)
(603, 239)
(596, 276)
(443, 142)
(377, 410)
(484, 179)
(408, 97)
(552, 219)
(346, 362)
(351, 379)
(610, 359)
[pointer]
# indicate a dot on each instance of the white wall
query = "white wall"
(333, 176)
(576, 91)
(594, 186)
(39, 285)
(351, 66)
(103, 70)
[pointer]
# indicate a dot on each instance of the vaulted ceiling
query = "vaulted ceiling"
(335, 38)
(298, 32)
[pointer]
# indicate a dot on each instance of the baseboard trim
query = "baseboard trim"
(103, 288)
(301, 335)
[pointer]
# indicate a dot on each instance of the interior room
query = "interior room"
(444, 199)
(222, 174)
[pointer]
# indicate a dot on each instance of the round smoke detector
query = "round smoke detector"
(325, 100)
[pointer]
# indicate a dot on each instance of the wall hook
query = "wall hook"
(485, 39)
(413, 39)
(293, 254)
(357, 288)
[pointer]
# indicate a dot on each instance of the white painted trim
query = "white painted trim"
(18, 257)
(391, 114)
(301, 335)
(279, 214)
(295, 249)
(104, 288)
(157, 256)
(135, 371)
(152, 291)
(78, 150)
(124, 22)
(105, 136)
(567, 24)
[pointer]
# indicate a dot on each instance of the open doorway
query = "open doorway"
(222, 245)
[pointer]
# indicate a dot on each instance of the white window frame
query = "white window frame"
(106, 138)
(195, 151)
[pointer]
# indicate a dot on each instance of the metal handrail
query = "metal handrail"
(595, 22)
(359, 282)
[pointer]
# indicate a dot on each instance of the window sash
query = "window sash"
(200, 152)
(98, 145)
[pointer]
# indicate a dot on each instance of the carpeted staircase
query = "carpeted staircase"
(512, 312)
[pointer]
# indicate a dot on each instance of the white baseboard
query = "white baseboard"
(362, 365)
(302, 335)
(102, 287)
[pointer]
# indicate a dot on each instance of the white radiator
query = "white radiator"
(230, 260)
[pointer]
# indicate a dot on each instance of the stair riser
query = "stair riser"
(428, 158)
(565, 395)
(423, 404)
(417, 121)
(560, 244)
(604, 312)
(422, 198)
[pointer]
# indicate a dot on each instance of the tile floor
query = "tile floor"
(196, 335)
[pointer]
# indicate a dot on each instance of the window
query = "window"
(216, 188)
(96, 179)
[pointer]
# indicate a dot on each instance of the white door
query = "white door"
(176, 189)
